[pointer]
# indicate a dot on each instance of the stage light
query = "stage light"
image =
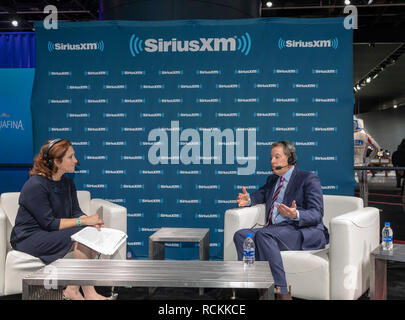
(14, 23)
(347, 2)
(368, 80)
(395, 106)
(269, 4)
(358, 87)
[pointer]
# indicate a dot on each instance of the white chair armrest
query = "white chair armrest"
(114, 216)
(240, 218)
(352, 238)
(3, 248)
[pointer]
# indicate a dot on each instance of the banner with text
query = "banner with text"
(171, 118)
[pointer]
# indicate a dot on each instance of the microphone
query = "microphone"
(78, 163)
(280, 167)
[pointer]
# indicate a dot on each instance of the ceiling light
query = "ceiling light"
(358, 87)
(395, 106)
(14, 23)
(368, 80)
(347, 2)
(269, 4)
(370, 1)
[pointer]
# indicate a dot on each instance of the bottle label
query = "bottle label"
(387, 239)
(248, 253)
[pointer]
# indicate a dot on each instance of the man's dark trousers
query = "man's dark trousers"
(269, 241)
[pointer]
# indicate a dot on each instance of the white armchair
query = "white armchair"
(15, 265)
(342, 269)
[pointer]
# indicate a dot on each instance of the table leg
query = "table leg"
(204, 250)
(378, 279)
(156, 250)
(31, 292)
(204, 247)
(25, 291)
(233, 294)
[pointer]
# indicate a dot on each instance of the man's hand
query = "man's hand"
(243, 198)
(287, 211)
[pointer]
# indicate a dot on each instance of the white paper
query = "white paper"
(106, 241)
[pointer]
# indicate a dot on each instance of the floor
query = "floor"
(383, 194)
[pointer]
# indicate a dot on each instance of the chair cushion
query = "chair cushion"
(18, 266)
(308, 273)
(9, 202)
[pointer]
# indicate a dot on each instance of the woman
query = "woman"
(49, 213)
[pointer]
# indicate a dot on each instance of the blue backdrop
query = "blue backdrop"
(17, 50)
(15, 115)
(141, 101)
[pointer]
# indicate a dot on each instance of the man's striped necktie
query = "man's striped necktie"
(275, 195)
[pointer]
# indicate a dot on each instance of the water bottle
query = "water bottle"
(248, 251)
(387, 241)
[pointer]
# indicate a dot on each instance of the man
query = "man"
(294, 212)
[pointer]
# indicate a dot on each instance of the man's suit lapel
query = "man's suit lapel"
(271, 189)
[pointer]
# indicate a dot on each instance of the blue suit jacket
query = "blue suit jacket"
(305, 188)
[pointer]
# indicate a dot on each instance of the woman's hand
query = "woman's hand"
(93, 220)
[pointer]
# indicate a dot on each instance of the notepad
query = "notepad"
(106, 241)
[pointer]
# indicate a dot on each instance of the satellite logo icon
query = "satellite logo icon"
(135, 45)
(335, 43)
(245, 44)
(281, 43)
(51, 46)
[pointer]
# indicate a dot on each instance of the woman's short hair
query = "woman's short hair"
(53, 150)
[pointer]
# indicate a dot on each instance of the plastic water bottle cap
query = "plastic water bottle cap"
(248, 235)
(387, 224)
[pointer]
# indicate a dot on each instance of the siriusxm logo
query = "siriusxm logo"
(95, 186)
(331, 43)
(324, 158)
(122, 172)
(51, 129)
(324, 129)
(169, 215)
(86, 46)
(235, 43)
(332, 187)
(305, 114)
